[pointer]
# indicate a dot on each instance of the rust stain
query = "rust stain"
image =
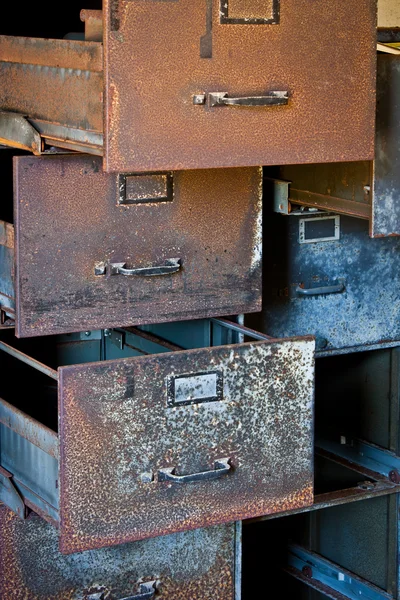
(154, 124)
(213, 224)
(109, 487)
(198, 565)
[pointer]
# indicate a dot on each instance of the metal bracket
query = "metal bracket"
(9, 494)
(366, 455)
(85, 336)
(330, 579)
(5, 320)
(16, 131)
(279, 190)
(116, 337)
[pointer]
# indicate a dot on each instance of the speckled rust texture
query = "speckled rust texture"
(68, 220)
(322, 52)
(115, 426)
(197, 564)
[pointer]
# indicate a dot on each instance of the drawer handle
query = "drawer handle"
(221, 467)
(277, 98)
(339, 288)
(171, 265)
(147, 591)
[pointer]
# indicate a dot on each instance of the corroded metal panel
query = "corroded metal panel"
(343, 291)
(197, 564)
(159, 114)
(37, 75)
(130, 462)
(386, 190)
(200, 230)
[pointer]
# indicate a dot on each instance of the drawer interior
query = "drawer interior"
(29, 419)
(34, 393)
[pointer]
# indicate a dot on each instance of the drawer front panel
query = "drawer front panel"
(160, 110)
(145, 454)
(89, 244)
(343, 291)
(199, 565)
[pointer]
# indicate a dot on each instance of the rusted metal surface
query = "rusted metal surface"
(110, 485)
(212, 225)
(28, 428)
(58, 54)
(386, 201)
(152, 122)
(364, 314)
(197, 564)
(344, 188)
(93, 20)
(37, 75)
(371, 485)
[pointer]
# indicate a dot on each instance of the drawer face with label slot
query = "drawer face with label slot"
(164, 441)
(96, 251)
(220, 85)
(331, 280)
(200, 565)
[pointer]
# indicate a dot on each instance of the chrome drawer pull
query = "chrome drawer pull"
(339, 288)
(221, 467)
(147, 591)
(171, 265)
(275, 98)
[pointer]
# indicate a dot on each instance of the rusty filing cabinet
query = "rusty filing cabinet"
(325, 276)
(368, 190)
(199, 84)
(163, 441)
(202, 564)
(95, 250)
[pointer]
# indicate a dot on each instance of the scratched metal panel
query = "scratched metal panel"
(195, 564)
(366, 312)
(118, 430)
(386, 204)
(69, 219)
(152, 122)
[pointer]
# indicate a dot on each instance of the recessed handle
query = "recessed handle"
(338, 288)
(168, 267)
(147, 591)
(221, 467)
(275, 98)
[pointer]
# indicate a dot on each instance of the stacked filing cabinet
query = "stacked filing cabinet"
(138, 424)
(330, 258)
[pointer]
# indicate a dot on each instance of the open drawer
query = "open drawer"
(166, 440)
(201, 565)
(94, 250)
(366, 190)
(199, 84)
